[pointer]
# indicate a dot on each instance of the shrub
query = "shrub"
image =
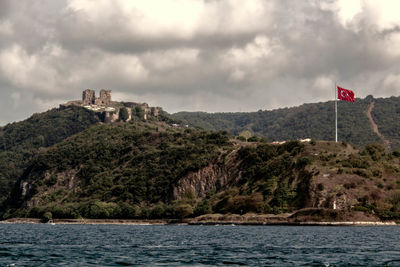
(46, 217)
(376, 151)
(64, 212)
(183, 211)
(128, 211)
(377, 173)
(350, 185)
(157, 212)
(139, 112)
(396, 153)
(203, 207)
(123, 114)
(361, 208)
(241, 138)
(52, 180)
(145, 213)
(362, 173)
(302, 162)
(253, 139)
(99, 210)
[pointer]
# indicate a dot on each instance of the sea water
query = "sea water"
(184, 245)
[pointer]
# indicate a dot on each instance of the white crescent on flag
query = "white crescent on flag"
(345, 94)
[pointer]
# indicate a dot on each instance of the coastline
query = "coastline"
(198, 222)
(299, 223)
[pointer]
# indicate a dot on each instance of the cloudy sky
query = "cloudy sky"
(208, 55)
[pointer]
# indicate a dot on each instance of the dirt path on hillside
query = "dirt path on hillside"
(375, 127)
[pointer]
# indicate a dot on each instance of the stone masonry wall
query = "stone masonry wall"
(88, 97)
(104, 99)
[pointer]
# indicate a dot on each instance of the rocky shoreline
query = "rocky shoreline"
(212, 219)
(299, 223)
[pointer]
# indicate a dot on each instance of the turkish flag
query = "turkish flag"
(345, 94)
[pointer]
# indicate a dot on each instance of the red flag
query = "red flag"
(345, 94)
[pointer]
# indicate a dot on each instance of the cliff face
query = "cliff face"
(224, 170)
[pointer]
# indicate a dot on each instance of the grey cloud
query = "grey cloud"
(4, 8)
(303, 50)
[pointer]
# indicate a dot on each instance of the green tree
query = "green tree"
(183, 211)
(123, 114)
(139, 112)
(46, 217)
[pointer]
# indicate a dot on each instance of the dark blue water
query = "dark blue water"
(127, 245)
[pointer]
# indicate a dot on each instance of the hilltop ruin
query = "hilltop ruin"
(89, 98)
(110, 110)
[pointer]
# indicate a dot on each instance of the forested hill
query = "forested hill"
(65, 164)
(315, 121)
(20, 141)
(150, 170)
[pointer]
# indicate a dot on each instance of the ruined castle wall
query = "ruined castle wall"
(88, 97)
(104, 99)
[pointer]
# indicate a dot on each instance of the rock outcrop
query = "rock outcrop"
(212, 177)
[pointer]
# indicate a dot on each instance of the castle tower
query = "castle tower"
(88, 97)
(104, 99)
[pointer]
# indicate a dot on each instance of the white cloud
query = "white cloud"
(382, 14)
(29, 71)
(324, 82)
(347, 10)
(253, 52)
(164, 60)
(173, 18)
(128, 68)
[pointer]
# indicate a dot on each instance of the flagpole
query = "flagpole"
(335, 112)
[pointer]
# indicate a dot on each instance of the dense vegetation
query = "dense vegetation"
(310, 121)
(64, 164)
(121, 166)
(20, 141)
(131, 170)
(387, 116)
(273, 179)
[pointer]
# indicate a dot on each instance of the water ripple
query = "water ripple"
(128, 245)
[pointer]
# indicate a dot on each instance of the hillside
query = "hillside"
(136, 162)
(152, 170)
(20, 141)
(386, 114)
(314, 121)
(129, 163)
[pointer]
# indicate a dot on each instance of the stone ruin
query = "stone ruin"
(104, 104)
(89, 98)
